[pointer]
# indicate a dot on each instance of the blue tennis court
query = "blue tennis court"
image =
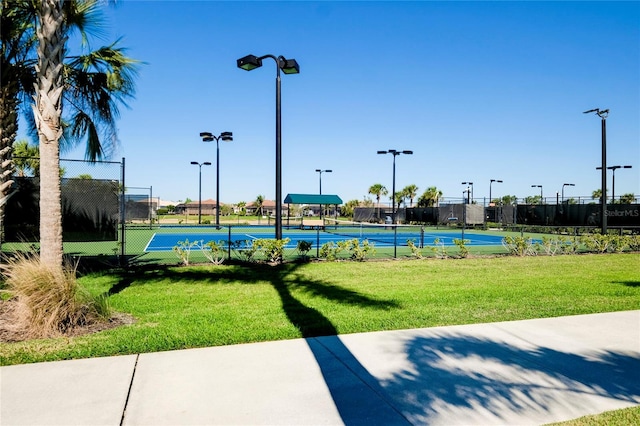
(166, 241)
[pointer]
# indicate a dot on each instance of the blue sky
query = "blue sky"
(478, 90)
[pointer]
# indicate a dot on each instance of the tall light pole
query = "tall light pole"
(320, 176)
(470, 193)
(563, 185)
(541, 197)
(603, 114)
(208, 137)
(206, 163)
(490, 183)
(288, 66)
(613, 179)
(395, 153)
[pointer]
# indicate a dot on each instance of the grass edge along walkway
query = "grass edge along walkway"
(199, 306)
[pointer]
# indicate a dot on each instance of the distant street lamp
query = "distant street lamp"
(491, 182)
(395, 153)
(208, 137)
(206, 163)
(320, 176)
(603, 116)
(470, 195)
(541, 198)
(563, 185)
(288, 66)
(613, 179)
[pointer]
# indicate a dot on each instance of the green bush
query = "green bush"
(519, 246)
(415, 250)
(183, 250)
(272, 249)
(462, 246)
(304, 247)
(214, 251)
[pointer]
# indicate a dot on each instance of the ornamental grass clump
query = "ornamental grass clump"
(47, 301)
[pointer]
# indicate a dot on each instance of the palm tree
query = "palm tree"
(378, 190)
(258, 204)
(430, 197)
(18, 39)
(627, 198)
(597, 195)
(90, 85)
(242, 208)
(26, 161)
(410, 191)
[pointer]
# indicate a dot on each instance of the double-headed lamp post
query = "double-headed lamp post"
(470, 193)
(541, 197)
(563, 185)
(603, 114)
(490, 183)
(288, 66)
(320, 172)
(206, 163)
(395, 153)
(613, 179)
(208, 137)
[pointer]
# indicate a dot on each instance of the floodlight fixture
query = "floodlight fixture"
(206, 163)
(210, 137)
(603, 114)
(288, 66)
(395, 153)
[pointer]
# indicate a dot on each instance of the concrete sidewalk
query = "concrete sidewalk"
(521, 372)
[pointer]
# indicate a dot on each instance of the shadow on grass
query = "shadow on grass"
(442, 374)
(629, 283)
(286, 280)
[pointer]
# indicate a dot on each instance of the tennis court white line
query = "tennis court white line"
(149, 243)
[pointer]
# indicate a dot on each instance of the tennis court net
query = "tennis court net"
(384, 233)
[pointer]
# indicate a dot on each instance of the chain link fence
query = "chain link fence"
(106, 221)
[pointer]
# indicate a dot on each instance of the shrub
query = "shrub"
(329, 251)
(303, 248)
(214, 251)
(245, 249)
(598, 243)
(415, 250)
(183, 250)
(272, 249)
(519, 246)
(48, 300)
(439, 249)
(462, 246)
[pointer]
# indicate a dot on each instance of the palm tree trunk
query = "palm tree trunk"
(8, 131)
(47, 112)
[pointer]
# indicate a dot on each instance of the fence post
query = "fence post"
(122, 214)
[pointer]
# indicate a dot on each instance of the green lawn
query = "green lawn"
(211, 305)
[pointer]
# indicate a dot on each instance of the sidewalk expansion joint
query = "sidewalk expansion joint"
(126, 402)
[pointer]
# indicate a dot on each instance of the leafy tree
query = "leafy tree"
(410, 192)
(430, 197)
(89, 87)
(85, 176)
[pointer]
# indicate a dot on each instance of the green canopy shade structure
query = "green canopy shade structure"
(312, 199)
